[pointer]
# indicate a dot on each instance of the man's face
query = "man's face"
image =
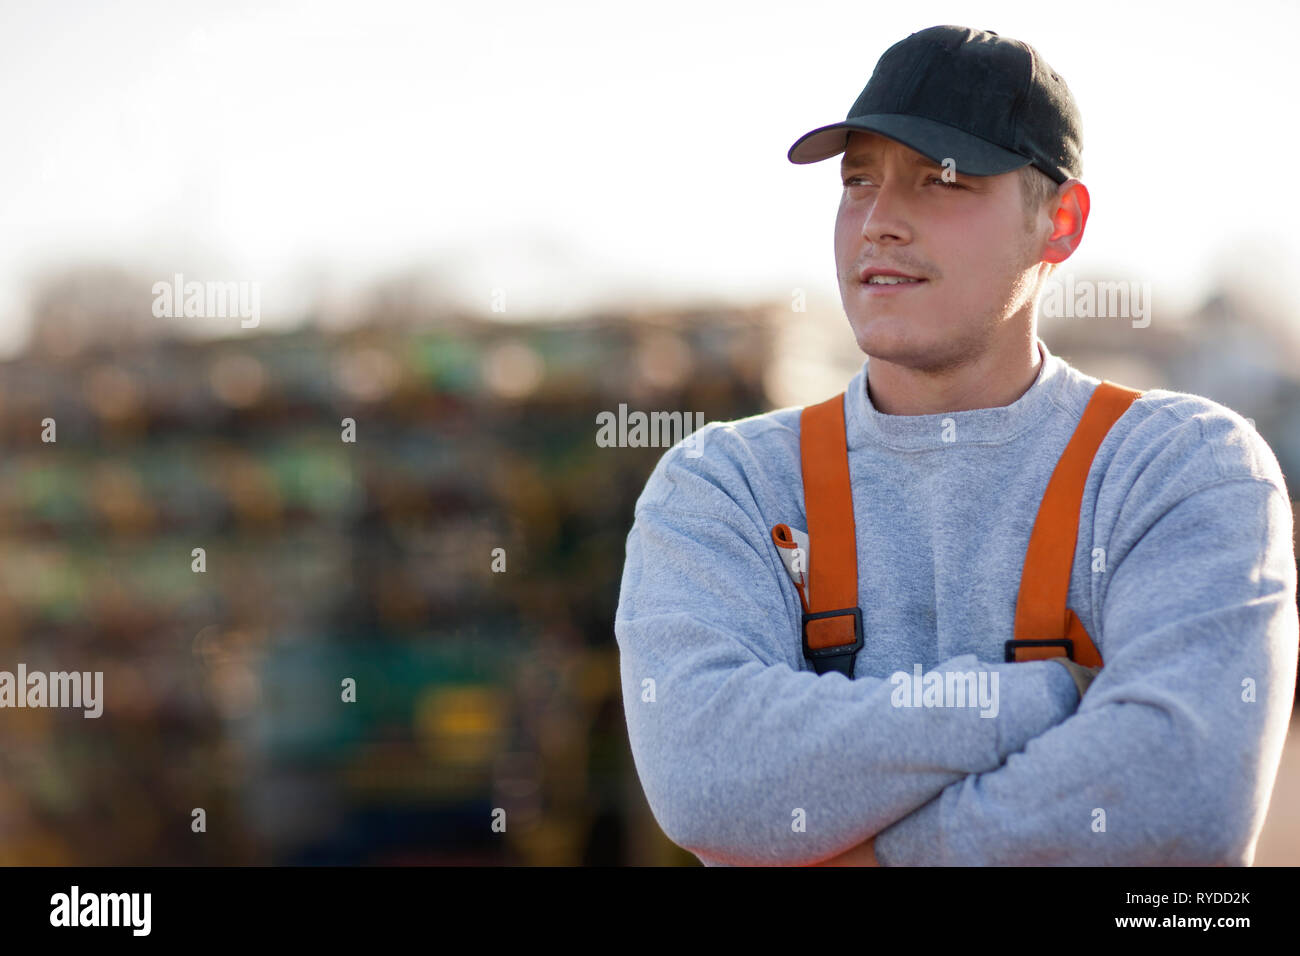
(967, 239)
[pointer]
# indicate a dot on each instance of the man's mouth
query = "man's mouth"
(890, 280)
(877, 276)
(890, 285)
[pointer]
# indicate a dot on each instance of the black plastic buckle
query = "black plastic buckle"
(1065, 642)
(840, 656)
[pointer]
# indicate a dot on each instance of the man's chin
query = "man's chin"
(883, 335)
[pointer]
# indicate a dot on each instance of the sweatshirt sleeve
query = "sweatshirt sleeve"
(744, 757)
(1171, 757)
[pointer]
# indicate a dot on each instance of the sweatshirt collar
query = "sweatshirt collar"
(864, 423)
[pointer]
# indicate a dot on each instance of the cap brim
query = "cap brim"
(937, 141)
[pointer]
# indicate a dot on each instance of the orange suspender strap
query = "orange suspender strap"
(832, 622)
(1045, 628)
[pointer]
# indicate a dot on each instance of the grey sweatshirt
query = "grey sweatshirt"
(1184, 576)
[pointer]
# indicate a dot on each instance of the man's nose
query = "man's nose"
(886, 220)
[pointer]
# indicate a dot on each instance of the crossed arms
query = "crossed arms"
(747, 759)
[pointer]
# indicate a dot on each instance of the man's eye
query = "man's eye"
(854, 180)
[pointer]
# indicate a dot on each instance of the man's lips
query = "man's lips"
(867, 273)
(887, 289)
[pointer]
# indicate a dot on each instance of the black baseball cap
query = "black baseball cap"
(991, 104)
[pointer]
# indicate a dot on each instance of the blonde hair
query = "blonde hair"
(1036, 188)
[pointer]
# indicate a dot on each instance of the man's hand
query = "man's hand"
(864, 854)
(1083, 676)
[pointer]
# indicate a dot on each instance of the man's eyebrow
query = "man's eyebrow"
(866, 159)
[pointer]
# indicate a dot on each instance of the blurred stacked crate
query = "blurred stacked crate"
(328, 560)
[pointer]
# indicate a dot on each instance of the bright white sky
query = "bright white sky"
(566, 151)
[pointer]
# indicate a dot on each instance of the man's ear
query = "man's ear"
(1068, 221)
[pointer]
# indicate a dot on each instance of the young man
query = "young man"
(1183, 574)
